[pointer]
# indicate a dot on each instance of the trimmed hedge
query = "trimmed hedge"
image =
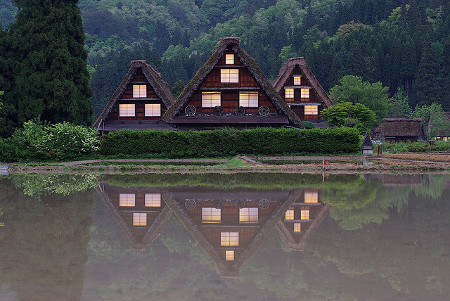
(224, 142)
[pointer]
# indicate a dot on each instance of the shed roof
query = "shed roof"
(403, 127)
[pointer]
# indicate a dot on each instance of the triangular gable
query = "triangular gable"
(231, 44)
(287, 71)
(152, 77)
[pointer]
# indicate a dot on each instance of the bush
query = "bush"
(225, 142)
(416, 147)
(308, 125)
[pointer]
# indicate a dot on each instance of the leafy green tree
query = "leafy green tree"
(434, 118)
(348, 114)
(177, 88)
(400, 106)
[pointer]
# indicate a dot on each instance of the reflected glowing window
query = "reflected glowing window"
(289, 215)
(297, 227)
(304, 93)
(311, 196)
(127, 200)
(248, 215)
(229, 255)
(126, 110)
(229, 239)
(229, 59)
(304, 214)
(211, 215)
(152, 200)
(139, 219)
(152, 109)
(229, 75)
(311, 110)
(297, 80)
(139, 91)
(210, 99)
(248, 99)
(289, 94)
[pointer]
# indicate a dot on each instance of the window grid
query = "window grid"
(210, 99)
(297, 227)
(304, 93)
(211, 215)
(289, 215)
(152, 200)
(152, 109)
(311, 196)
(311, 110)
(248, 99)
(229, 76)
(248, 215)
(139, 91)
(139, 219)
(229, 239)
(229, 59)
(289, 94)
(127, 200)
(304, 214)
(297, 80)
(126, 110)
(229, 255)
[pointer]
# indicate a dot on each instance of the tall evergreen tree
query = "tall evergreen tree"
(51, 77)
(426, 85)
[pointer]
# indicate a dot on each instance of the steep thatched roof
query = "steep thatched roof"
(403, 127)
(154, 79)
(252, 67)
(286, 71)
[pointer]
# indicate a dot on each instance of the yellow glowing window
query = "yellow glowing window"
(229, 239)
(297, 80)
(304, 93)
(211, 215)
(248, 99)
(139, 91)
(139, 219)
(289, 215)
(210, 99)
(152, 200)
(152, 109)
(229, 255)
(229, 75)
(311, 110)
(297, 227)
(126, 110)
(289, 94)
(229, 59)
(127, 200)
(304, 214)
(248, 215)
(311, 196)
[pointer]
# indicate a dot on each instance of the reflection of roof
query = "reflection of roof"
(403, 127)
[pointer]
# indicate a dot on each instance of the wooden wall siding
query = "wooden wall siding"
(246, 235)
(313, 96)
(300, 112)
(140, 110)
(237, 61)
(213, 79)
(113, 193)
(128, 93)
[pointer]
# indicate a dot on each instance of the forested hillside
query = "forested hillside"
(401, 43)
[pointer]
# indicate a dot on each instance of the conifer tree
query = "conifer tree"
(51, 77)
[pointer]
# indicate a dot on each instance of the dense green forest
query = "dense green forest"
(402, 44)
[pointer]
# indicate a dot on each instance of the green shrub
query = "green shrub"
(308, 125)
(416, 147)
(225, 142)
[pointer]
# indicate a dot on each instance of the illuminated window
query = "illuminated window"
(127, 200)
(229, 255)
(289, 94)
(152, 200)
(304, 214)
(248, 99)
(229, 75)
(139, 219)
(152, 109)
(211, 215)
(297, 227)
(289, 215)
(311, 110)
(304, 93)
(248, 215)
(210, 99)
(229, 59)
(311, 196)
(229, 239)
(297, 80)
(139, 91)
(126, 110)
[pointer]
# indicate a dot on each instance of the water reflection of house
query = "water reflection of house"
(301, 219)
(141, 212)
(231, 225)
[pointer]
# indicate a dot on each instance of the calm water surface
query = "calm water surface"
(225, 237)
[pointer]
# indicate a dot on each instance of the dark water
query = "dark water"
(225, 237)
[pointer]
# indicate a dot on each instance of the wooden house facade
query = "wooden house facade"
(300, 89)
(230, 90)
(402, 129)
(138, 103)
